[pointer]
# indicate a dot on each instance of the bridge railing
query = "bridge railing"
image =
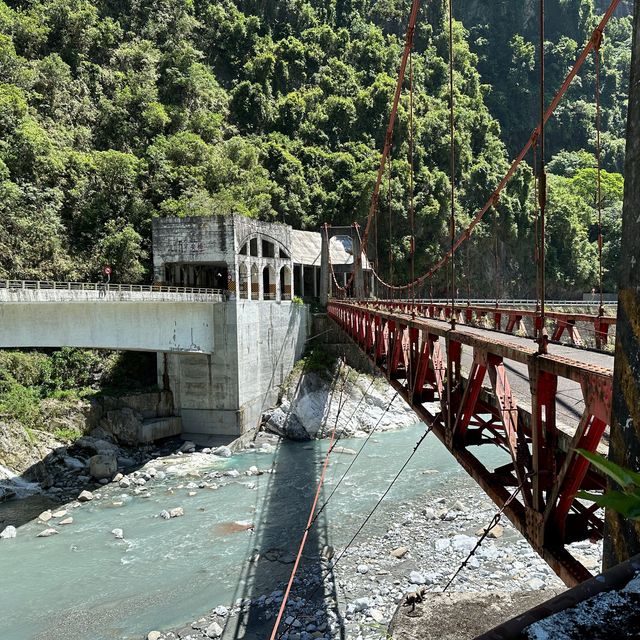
(510, 302)
(35, 285)
(478, 409)
(509, 318)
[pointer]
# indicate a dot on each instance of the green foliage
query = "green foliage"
(627, 500)
(20, 403)
(66, 434)
(113, 113)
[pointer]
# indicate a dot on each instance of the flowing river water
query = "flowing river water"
(84, 583)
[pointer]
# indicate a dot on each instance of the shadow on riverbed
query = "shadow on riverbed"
(288, 498)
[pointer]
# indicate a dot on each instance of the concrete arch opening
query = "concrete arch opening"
(268, 283)
(243, 275)
(285, 283)
(255, 283)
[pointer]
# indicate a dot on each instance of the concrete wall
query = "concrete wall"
(136, 321)
(257, 343)
(194, 240)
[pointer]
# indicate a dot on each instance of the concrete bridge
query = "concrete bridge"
(223, 358)
(102, 316)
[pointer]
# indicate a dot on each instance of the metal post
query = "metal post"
(622, 536)
(324, 266)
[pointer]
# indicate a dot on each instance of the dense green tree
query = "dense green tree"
(112, 113)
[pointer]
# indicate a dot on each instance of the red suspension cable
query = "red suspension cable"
(466, 233)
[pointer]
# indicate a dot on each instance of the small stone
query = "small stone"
(47, 532)
(223, 452)
(214, 630)
(154, 635)
(377, 615)
(8, 532)
(328, 552)
(442, 543)
(188, 447)
(68, 520)
(221, 610)
(118, 534)
(458, 506)
(176, 512)
(85, 496)
(633, 586)
(192, 493)
(415, 577)
(73, 463)
(461, 542)
(429, 513)
(165, 515)
(59, 514)
(363, 568)
(45, 516)
(117, 478)
(400, 552)
(124, 483)
(362, 604)
(535, 584)
(232, 473)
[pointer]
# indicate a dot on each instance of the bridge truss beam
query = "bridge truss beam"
(422, 359)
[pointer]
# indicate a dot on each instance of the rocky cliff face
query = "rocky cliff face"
(356, 403)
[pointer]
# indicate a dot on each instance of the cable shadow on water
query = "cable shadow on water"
(278, 532)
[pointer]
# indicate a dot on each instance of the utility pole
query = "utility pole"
(622, 537)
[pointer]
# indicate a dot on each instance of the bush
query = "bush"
(21, 403)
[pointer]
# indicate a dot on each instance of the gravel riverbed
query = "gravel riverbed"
(354, 593)
(415, 539)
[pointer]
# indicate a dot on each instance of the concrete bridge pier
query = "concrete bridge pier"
(224, 393)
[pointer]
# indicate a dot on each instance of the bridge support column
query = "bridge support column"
(622, 537)
(358, 278)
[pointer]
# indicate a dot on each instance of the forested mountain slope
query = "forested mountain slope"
(113, 112)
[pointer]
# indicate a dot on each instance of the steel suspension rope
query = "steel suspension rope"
(353, 461)
(412, 245)
(542, 194)
(466, 233)
(370, 514)
(452, 170)
(536, 247)
(487, 530)
(303, 541)
(390, 208)
(597, 37)
(495, 252)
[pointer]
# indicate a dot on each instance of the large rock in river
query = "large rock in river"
(103, 465)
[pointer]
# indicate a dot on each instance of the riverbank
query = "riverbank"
(424, 544)
(122, 569)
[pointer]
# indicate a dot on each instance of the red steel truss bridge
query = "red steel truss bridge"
(523, 391)
(479, 390)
